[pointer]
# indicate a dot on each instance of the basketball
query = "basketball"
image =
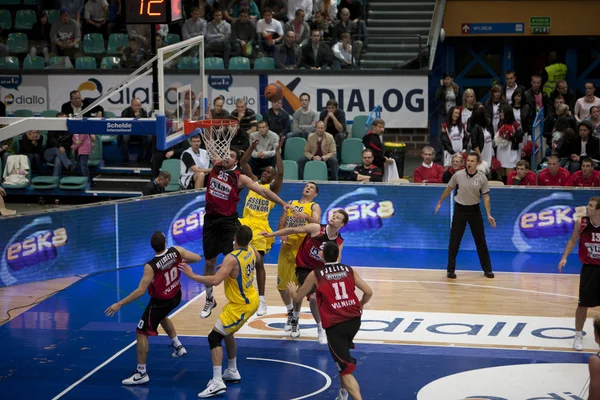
(273, 92)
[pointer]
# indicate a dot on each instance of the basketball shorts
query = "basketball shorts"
(286, 266)
(340, 339)
(234, 316)
(218, 233)
(259, 242)
(302, 274)
(589, 286)
(156, 311)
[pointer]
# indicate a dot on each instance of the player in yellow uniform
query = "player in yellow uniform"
(237, 271)
(303, 211)
(256, 214)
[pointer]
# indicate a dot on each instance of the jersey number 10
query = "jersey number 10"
(171, 275)
(340, 290)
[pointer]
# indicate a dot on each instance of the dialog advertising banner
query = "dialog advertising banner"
(19, 92)
(403, 99)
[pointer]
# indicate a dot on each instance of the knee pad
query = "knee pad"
(214, 339)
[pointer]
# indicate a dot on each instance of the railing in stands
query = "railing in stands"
(537, 135)
(434, 29)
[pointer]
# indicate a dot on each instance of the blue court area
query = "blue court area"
(60, 341)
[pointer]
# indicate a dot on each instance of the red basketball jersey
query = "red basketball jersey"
(165, 284)
(335, 294)
(308, 253)
(222, 191)
(589, 242)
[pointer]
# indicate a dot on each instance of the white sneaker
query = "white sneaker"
(180, 351)
(295, 332)
(213, 388)
(136, 379)
(288, 325)
(322, 336)
(231, 376)
(578, 343)
(208, 307)
(262, 309)
(342, 395)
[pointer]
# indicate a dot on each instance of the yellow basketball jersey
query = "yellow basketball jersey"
(241, 290)
(256, 206)
(292, 222)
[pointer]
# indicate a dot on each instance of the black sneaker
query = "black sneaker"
(451, 275)
(489, 274)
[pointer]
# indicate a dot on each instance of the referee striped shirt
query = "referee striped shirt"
(469, 188)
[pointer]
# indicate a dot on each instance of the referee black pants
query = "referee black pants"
(472, 215)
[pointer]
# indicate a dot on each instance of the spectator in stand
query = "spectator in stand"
(521, 112)
(458, 163)
(320, 146)
(142, 33)
(550, 118)
(511, 85)
(522, 176)
(65, 36)
(157, 185)
(583, 105)
(346, 25)
(218, 112)
(245, 116)
(589, 145)
(278, 120)
(468, 105)
(95, 14)
(114, 15)
(270, 33)
(553, 174)
(243, 35)
(316, 55)
(594, 118)
(554, 72)
(328, 10)
(40, 35)
(355, 7)
(76, 105)
(305, 5)
(587, 177)
(288, 54)
(335, 123)
(304, 119)
(278, 7)
(32, 146)
(134, 55)
(482, 135)
(300, 27)
(82, 148)
(75, 8)
(194, 165)
(562, 89)
(454, 138)
(428, 172)
(323, 26)
(6, 149)
(448, 93)
(218, 37)
(263, 155)
(493, 106)
(135, 110)
(3, 210)
(56, 150)
(507, 140)
(343, 56)
(367, 172)
(233, 12)
(191, 107)
(373, 141)
(535, 97)
(193, 26)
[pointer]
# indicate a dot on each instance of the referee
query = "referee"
(470, 185)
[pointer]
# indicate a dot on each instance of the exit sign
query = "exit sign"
(540, 25)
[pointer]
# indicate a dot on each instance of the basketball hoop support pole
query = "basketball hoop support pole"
(155, 92)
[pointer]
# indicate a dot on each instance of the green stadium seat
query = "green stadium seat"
(359, 126)
(25, 19)
(188, 63)
(23, 113)
(45, 182)
(21, 186)
(95, 158)
(62, 61)
(117, 42)
(34, 63)
(93, 43)
(264, 63)
(17, 43)
(109, 114)
(5, 20)
(294, 148)
(351, 154)
(290, 170)
(49, 113)
(239, 63)
(173, 38)
(173, 166)
(73, 183)
(110, 63)
(9, 63)
(85, 63)
(53, 16)
(259, 117)
(315, 171)
(214, 63)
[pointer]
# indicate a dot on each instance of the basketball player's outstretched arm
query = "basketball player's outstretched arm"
(213, 280)
(245, 158)
(276, 185)
(310, 229)
(570, 246)
(137, 293)
(299, 294)
(594, 367)
(364, 287)
(188, 256)
(266, 193)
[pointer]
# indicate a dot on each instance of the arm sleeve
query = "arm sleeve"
(188, 160)
(377, 175)
(417, 176)
(439, 174)
(296, 121)
(354, 174)
(485, 186)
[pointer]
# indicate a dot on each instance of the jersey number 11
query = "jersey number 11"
(340, 287)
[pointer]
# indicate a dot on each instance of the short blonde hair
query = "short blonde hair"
(466, 93)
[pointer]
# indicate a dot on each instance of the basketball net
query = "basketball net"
(216, 134)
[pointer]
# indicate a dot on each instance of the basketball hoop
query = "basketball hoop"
(216, 134)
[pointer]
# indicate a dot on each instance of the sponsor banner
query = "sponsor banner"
(126, 126)
(404, 99)
(234, 87)
(442, 328)
(30, 94)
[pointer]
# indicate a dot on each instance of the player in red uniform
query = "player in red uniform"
(554, 175)
(161, 279)
(309, 258)
(340, 311)
(588, 232)
(223, 188)
(586, 177)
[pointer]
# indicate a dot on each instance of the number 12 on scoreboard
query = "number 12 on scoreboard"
(149, 4)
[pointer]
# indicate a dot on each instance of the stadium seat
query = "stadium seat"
(25, 19)
(290, 170)
(188, 63)
(239, 63)
(109, 114)
(117, 42)
(400, 180)
(85, 63)
(110, 63)
(73, 183)
(9, 62)
(34, 63)
(264, 63)
(315, 171)
(96, 153)
(23, 113)
(60, 62)
(294, 148)
(10, 2)
(21, 186)
(173, 166)
(17, 43)
(45, 182)
(259, 117)
(93, 43)
(359, 127)
(173, 38)
(5, 20)
(495, 183)
(49, 113)
(214, 63)
(53, 16)
(351, 154)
